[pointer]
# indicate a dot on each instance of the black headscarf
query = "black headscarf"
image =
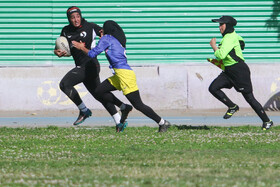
(112, 28)
(229, 21)
(229, 29)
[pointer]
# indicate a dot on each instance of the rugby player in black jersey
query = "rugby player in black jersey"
(86, 69)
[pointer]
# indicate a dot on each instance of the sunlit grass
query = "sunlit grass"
(184, 156)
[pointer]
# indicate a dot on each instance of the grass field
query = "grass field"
(184, 156)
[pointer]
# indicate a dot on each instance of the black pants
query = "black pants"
(103, 91)
(89, 76)
(224, 81)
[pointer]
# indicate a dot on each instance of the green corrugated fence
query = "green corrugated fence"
(158, 32)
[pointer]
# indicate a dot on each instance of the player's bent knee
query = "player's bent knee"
(212, 89)
(97, 94)
(62, 86)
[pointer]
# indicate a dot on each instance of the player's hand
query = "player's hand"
(78, 45)
(213, 44)
(59, 52)
(81, 46)
(213, 41)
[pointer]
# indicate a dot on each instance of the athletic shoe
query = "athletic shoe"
(121, 126)
(82, 116)
(164, 127)
(125, 112)
(267, 125)
(231, 111)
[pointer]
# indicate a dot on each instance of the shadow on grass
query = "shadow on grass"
(189, 127)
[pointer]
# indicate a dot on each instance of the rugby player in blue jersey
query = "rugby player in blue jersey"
(113, 42)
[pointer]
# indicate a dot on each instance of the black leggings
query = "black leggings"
(103, 91)
(219, 83)
(89, 76)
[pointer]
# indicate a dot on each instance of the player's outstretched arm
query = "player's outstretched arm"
(81, 46)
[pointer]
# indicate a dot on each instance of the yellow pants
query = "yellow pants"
(124, 80)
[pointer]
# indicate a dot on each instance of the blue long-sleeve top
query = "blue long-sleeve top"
(114, 51)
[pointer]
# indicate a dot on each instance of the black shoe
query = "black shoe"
(231, 111)
(125, 112)
(82, 116)
(267, 125)
(164, 127)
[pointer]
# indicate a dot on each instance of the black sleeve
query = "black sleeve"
(96, 28)
(63, 32)
(242, 44)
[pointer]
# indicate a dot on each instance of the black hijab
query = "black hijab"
(229, 21)
(112, 28)
(229, 29)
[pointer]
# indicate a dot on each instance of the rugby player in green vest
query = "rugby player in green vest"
(236, 72)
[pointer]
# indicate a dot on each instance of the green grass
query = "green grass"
(184, 156)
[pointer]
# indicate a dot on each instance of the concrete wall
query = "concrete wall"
(161, 87)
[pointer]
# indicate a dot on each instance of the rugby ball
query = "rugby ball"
(62, 43)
